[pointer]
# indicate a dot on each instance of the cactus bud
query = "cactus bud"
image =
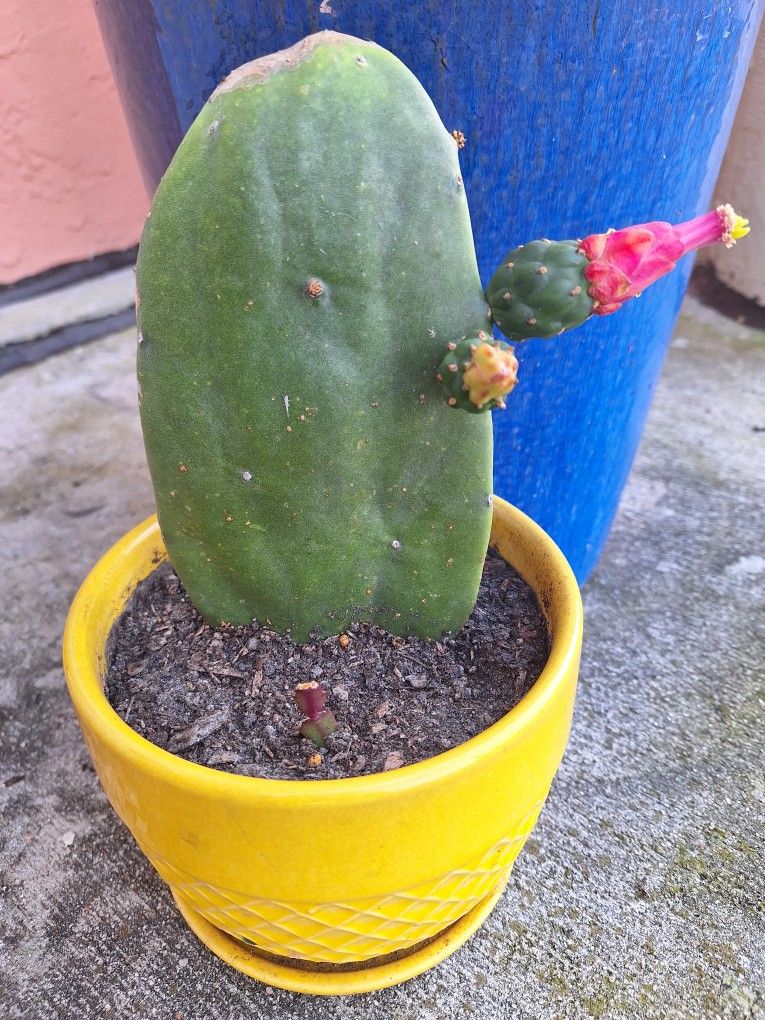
(477, 373)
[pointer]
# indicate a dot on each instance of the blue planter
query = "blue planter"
(579, 115)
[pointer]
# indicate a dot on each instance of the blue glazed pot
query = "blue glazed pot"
(579, 115)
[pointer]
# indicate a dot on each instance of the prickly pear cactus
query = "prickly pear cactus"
(307, 258)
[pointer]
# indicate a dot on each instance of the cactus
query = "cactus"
(299, 276)
(543, 288)
(310, 316)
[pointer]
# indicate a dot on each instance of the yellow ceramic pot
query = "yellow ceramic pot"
(334, 886)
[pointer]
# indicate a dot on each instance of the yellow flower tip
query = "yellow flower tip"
(740, 227)
(734, 227)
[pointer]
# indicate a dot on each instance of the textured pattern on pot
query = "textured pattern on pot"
(353, 930)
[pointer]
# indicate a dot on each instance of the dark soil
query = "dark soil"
(224, 698)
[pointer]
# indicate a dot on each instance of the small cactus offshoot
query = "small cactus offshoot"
(545, 287)
(310, 698)
(477, 373)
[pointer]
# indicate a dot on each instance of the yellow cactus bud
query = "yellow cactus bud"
(492, 374)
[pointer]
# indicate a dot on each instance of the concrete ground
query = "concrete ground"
(641, 892)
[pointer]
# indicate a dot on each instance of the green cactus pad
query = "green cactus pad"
(459, 365)
(307, 257)
(539, 290)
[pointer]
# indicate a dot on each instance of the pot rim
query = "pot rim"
(101, 598)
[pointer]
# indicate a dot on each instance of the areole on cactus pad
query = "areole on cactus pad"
(311, 317)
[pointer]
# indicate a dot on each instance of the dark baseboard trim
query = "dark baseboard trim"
(710, 290)
(29, 352)
(65, 276)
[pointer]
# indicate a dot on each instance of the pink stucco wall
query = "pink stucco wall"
(69, 183)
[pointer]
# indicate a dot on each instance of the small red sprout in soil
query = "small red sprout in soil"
(320, 722)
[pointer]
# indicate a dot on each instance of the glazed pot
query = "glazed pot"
(346, 885)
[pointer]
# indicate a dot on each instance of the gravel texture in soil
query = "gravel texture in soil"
(224, 698)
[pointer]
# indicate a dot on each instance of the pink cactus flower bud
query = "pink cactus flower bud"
(624, 262)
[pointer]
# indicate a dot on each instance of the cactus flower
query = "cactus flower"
(622, 263)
